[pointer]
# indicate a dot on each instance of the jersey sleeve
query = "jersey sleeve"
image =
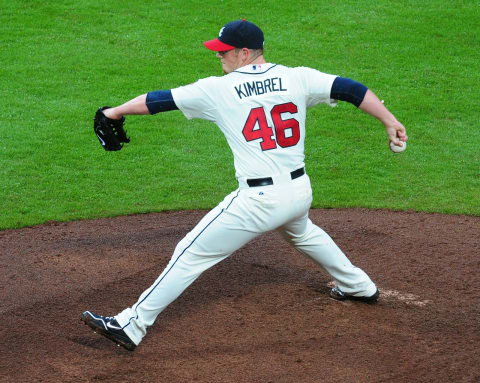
(197, 100)
(317, 86)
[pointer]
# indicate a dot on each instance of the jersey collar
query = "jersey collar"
(255, 68)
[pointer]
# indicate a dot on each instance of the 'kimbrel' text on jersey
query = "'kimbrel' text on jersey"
(257, 88)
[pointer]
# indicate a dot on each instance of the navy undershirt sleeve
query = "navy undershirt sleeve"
(345, 89)
(160, 101)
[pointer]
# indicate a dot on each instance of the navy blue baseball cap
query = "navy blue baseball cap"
(237, 34)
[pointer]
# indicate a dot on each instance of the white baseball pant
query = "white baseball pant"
(243, 215)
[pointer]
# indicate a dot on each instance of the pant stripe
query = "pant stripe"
(154, 287)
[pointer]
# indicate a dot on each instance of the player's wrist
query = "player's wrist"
(112, 113)
(388, 120)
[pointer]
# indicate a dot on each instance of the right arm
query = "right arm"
(363, 98)
(375, 108)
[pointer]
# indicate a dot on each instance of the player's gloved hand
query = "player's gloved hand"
(110, 132)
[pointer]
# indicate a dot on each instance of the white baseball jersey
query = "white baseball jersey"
(261, 110)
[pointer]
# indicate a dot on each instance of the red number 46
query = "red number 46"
(265, 133)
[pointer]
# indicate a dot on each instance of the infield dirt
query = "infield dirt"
(262, 315)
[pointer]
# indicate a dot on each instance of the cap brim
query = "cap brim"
(217, 46)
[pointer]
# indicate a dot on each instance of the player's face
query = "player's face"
(230, 60)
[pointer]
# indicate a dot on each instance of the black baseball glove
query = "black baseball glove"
(110, 132)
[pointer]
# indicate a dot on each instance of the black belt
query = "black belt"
(268, 181)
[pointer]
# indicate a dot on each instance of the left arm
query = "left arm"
(148, 103)
(134, 106)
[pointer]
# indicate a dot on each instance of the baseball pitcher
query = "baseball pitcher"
(260, 107)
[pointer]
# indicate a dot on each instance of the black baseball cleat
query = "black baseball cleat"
(339, 295)
(109, 328)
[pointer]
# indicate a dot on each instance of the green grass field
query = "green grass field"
(62, 60)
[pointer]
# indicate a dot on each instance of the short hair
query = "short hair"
(255, 52)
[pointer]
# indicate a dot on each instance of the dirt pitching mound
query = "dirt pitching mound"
(263, 315)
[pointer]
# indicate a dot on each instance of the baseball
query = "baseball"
(398, 149)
